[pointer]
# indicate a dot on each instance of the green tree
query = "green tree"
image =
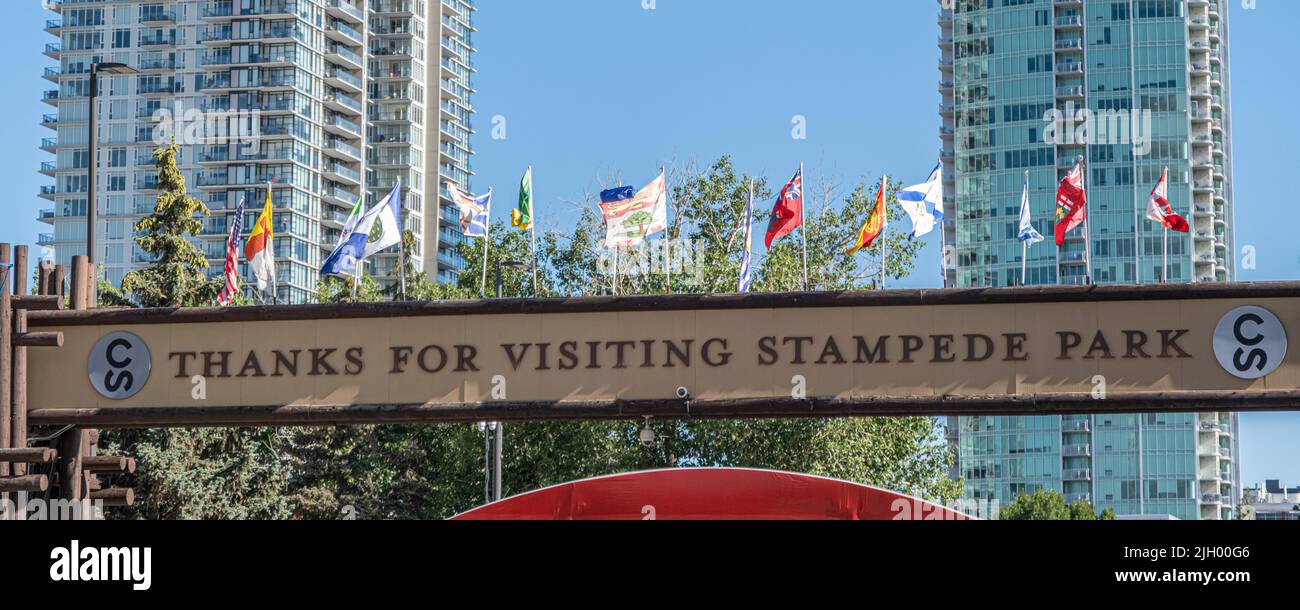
(201, 473)
(176, 277)
(1050, 505)
(437, 471)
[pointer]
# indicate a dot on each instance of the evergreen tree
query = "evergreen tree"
(203, 473)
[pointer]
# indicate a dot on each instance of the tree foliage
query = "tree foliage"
(175, 278)
(184, 473)
(400, 472)
(1050, 505)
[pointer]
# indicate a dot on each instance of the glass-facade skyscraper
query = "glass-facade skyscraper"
(1015, 77)
(330, 97)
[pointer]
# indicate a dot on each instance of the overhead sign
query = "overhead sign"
(931, 352)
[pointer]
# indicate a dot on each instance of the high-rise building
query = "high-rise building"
(324, 98)
(1153, 78)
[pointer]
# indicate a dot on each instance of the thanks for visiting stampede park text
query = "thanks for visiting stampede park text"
(657, 353)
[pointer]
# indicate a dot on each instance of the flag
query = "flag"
(788, 213)
(1162, 212)
(367, 234)
(875, 224)
(343, 260)
(924, 203)
(1071, 203)
(522, 217)
(231, 288)
(747, 258)
(1028, 234)
(631, 217)
(260, 249)
(381, 227)
(474, 211)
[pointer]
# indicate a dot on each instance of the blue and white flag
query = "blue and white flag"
(373, 232)
(1028, 234)
(474, 211)
(924, 203)
(342, 261)
(747, 258)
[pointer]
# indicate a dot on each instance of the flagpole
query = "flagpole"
(487, 239)
(1087, 222)
(1164, 269)
(613, 286)
(884, 232)
(358, 271)
(1024, 245)
(275, 296)
(803, 225)
(532, 214)
(668, 234)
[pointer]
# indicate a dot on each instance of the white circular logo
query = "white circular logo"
(119, 365)
(1250, 342)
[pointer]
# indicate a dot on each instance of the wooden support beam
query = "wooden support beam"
(38, 303)
(7, 273)
(114, 496)
(54, 339)
(18, 395)
(39, 455)
(72, 449)
(77, 287)
(57, 280)
(108, 464)
(44, 273)
(32, 483)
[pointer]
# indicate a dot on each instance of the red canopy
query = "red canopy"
(711, 494)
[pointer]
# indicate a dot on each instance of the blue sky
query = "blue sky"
(594, 89)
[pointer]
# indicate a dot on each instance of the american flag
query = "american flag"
(231, 289)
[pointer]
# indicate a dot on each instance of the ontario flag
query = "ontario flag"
(788, 213)
(231, 288)
(1071, 203)
(1162, 212)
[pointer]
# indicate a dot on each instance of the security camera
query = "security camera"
(683, 393)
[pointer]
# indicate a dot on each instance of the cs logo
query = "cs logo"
(1250, 342)
(119, 365)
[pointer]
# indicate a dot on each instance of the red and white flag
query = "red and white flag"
(1162, 212)
(1071, 203)
(788, 213)
(231, 289)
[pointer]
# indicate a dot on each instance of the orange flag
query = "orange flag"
(875, 224)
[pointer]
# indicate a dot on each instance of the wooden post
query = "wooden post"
(56, 281)
(18, 393)
(74, 443)
(6, 358)
(44, 276)
(77, 287)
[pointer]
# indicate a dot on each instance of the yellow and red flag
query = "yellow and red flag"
(875, 224)
(260, 250)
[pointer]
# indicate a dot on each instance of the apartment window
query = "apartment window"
(121, 39)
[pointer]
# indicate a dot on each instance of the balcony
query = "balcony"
(1076, 451)
(341, 9)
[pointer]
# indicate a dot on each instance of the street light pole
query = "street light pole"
(93, 163)
(498, 427)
